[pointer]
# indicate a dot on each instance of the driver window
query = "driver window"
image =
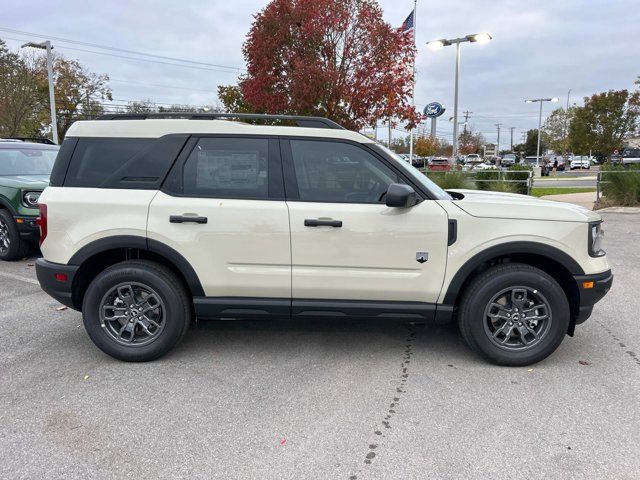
(335, 172)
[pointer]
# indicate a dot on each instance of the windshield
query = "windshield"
(26, 161)
(419, 177)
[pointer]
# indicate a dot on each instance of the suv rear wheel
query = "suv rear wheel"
(136, 310)
(12, 247)
(514, 314)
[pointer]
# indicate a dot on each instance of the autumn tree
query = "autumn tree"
(604, 121)
(79, 93)
(470, 142)
(20, 100)
(427, 146)
(333, 58)
(141, 106)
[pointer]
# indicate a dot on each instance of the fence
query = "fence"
(515, 181)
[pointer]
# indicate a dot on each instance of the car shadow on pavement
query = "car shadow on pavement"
(324, 336)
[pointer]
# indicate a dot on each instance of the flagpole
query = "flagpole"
(413, 88)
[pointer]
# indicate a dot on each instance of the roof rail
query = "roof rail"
(301, 121)
(45, 141)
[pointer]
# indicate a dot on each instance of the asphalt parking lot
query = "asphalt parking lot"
(320, 400)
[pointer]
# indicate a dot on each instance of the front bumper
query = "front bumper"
(28, 228)
(590, 295)
(57, 280)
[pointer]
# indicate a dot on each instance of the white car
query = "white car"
(473, 158)
(485, 166)
(150, 222)
(580, 162)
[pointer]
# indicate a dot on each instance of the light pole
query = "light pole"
(437, 45)
(52, 99)
(540, 101)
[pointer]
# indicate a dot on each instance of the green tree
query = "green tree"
(232, 100)
(531, 143)
(555, 131)
(604, 121)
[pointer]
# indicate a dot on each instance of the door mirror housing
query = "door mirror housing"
(401, 195)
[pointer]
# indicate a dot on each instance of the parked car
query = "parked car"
(472, 158)
(439, 164)
(486, 165)
(532, 161)
(149, 223)
(580, 162)
(509, 160)
(630, 156)
(419, 162)
(24, 172)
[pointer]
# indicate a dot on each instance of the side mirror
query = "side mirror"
(400, 195)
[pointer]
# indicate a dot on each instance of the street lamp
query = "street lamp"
(540, 101)
(437, 45)
(52, 99)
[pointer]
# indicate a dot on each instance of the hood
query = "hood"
(35, 182)
(485, 204)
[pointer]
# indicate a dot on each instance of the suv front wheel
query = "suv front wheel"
(514, 314)
(136, 310)
(12, 247)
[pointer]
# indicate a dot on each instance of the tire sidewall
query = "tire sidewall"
(473, 316)
(175, 317)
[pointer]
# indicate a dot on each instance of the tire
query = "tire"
(12, 247)
(105, 312)
(478, 310)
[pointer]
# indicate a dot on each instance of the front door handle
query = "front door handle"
(186, 219)
(314, 222)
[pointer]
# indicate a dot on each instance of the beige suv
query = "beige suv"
(151, 221)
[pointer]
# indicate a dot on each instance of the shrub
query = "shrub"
(452, 179)
(621, 185)
(519, 172)
(484, 175)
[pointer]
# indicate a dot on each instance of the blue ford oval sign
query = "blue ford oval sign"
(433, 110)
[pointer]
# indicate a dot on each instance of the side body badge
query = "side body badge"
(422, 257)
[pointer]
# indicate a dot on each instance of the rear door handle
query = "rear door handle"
(314, 222)
(186, 219)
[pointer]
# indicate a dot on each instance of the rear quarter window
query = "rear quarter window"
(128, 163)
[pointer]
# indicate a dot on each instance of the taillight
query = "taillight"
(41, 221)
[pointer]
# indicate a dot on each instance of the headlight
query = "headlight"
(30, 199)
(596, 239)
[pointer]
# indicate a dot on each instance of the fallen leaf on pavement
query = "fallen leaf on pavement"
(61, 308)
(86, 377)
(584, 362)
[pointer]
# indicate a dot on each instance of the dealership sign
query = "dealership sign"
(433, 110)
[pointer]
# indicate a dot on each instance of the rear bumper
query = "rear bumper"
(57, 280)
(28, 228)
(590, 296)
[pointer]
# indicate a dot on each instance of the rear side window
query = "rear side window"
(129, 163)
(228, 168)
(95, 159)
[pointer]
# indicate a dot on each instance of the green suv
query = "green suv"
(24, 172)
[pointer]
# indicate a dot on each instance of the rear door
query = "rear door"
(346, 243)
(222, 208)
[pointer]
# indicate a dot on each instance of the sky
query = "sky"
(540, 48)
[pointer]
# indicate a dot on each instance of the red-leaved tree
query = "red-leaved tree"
(334, 58)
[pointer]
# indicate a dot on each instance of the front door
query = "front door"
(346, 243)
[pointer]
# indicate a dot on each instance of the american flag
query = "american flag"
(408, 24)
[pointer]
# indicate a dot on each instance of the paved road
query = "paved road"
(575, 178)
(319, 400)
